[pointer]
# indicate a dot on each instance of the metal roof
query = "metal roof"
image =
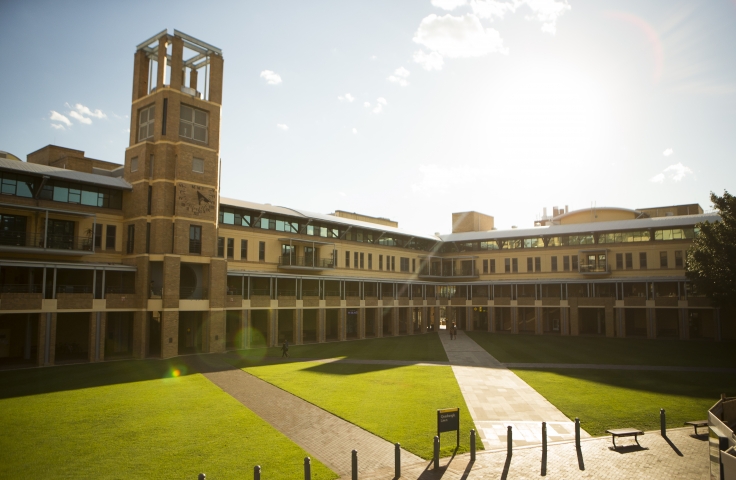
(64, 174)
(582, 228)
(320, 217)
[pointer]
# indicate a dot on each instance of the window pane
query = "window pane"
(150, 130)
(142, 132)
(61, 194)
(24, 188)
(200, 117)
(185, 130)
(9, 186)
(229, 218)
(89, 198)
(186, 113)
(200, 134)
(144, 116)
(75, 195)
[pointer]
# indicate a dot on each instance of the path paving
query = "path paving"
(323, 435)
(657, 459)
(593, 366)
(497, 398)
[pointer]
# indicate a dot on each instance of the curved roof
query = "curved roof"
(636, 213)
(64, 174)
(10, 156)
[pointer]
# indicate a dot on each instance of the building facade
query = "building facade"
(100, 261)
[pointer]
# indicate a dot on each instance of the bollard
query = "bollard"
(662, 422)
(436, 452)
(472, 445)
(307, 468)
(355, 465)
(577, 433)
(257, 472)
(544, 448)
(509, 440)
(397, 460)
(201, 476)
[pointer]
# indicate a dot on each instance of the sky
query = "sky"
(409, 110)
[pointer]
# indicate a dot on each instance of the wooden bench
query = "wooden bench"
(696, 424)
(625, 432)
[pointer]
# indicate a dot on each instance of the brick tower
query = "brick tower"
(173, 163)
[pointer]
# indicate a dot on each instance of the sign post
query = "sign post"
(448, 419)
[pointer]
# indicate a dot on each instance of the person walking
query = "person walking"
(285, 349)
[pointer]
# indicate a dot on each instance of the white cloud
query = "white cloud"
(271, 77)
(282, 126)
(82, 110)
(400, 77)
(448, 4)
(668, 152)
(489, 9)
(429, 61)
(382, 101)
(57, 117)
(367, 104)
(373, 57)
(547, 12)
(57, 126)
(676, 172)
(80, 118)
(346, 98)
(378, 109)
(355, 131)
(456, 37)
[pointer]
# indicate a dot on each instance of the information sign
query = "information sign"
(448, 419)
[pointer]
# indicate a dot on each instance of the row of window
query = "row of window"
(597, 261)
(225, 246)
(574, 240)
(58, 191)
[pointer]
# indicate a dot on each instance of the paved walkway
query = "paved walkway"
(593, 366)
(323, 435)
(657, 459)
(497, 398)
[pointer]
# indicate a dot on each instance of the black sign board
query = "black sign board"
(448, 419)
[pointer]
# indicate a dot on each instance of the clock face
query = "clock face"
(195, 200)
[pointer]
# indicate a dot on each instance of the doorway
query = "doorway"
(190, 332)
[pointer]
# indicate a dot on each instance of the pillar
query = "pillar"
(161, 71)
(177, 63)
(245, 325)
(321, 326)
(574, 324)
(140, 76)
(273, 328)
(469, 317)
(298, 326)
(539, 324)
(169, 334)
(514, 320)
(395, 318)
(651, 323)
(621, 323)
(140, 333)
(342, 324)
(193, 79)
(492, 319)
(361, 323)
(217, 331)
(609, 319)
(684, 326)
(215, 80)
(379, 322)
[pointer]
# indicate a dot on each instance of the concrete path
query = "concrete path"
(497, 398)
(680, 456)
(593, 366)
(323, 435)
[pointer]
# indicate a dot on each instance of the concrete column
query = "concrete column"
(103, 333)
(161, 71)
(41, 339)
(565, 321)
(169, 334)
(273, 328)
(492, 319)
(514, 320)
(684, 327)
(651, 323)
(342, 324)
(51, 339)
(245, 325)
(321, 325)
(539, 325)
(298, 326)
(379, 322)
(361, 323)
(395, 317)
(92, 339)
(609, 318)
(621, 331)
(425, 318)
(574, 324)
(140, 333)
(217, 331)
(469, 319)
(177, 63)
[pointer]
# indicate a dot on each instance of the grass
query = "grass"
(601, 350)
(426, 347)
(396, 403)
(604, 399)
(134, 419)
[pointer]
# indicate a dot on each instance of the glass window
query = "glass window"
(134, 164)
(110, 237)
(566, 263)
(131, 239)
(244, 250)
(61, 193)
(220, 247)
(642, 260)
(515, 265)
(678, 259)
(193, 123)
(195, 239)
(663, 260)
(261, 251)
(197, 165)
(145, 123)
(493, 266)
(554, 263)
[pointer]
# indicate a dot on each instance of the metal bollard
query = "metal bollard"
(544, 448)
(257, 472)
(472, 445)
(577, 433)
(307, 468)
(397, 460)
(662, 422)
(509, 440)
(436, 452)
(201, 476)
(355, 465)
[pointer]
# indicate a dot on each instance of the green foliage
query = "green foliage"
(70, 422)
(711, 264)
(604, 399)
(602, 350)
(398, 404)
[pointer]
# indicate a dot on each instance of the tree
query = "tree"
(711, 263)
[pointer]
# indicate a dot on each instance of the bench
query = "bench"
(696, 424)
(625, 432)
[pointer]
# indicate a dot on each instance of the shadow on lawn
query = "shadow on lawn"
(36, 381)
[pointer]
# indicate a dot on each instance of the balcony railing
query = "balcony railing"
(305, 262)
(120, 289)
(445, 273)
(21, 288)
(74, 289)
(51, 241)
(260, 291)
(594, 268)
(192, 293)
(284, 292)
(310, 293)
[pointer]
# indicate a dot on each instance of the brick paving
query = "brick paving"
(498, 398)
(593, 366)
(323, 435)
(656, 460)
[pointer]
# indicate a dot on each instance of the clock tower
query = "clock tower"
(173, 163)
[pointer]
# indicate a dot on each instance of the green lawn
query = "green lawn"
(604, 399)
(133, 419)
(426, 347)
(601, 350)
(398, 404)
